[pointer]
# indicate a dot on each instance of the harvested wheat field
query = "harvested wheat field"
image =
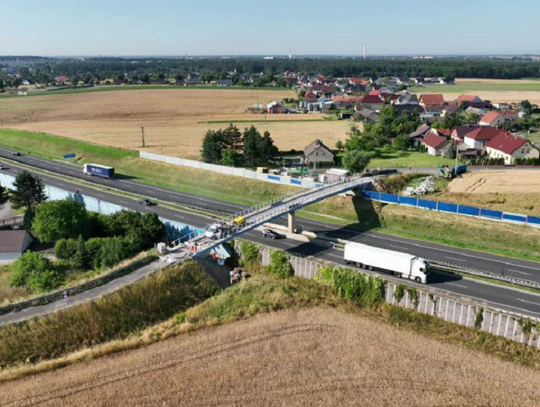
(461, 81)
(500, 96)
(316, 357)
(506, 190)
(175, 120)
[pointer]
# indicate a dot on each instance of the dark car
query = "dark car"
(3, 168)
(17, 154)
(272, 234)
(147, 202)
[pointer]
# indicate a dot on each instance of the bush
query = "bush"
(30, 262)
(46, 280)
(114, 250)
(280, 265)
(36, 272)
(65, 249)
(61, 220)
(349, 284)
(250, 253)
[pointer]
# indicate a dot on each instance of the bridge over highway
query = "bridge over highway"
(198, 244)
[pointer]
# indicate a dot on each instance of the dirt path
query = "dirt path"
(318, 357)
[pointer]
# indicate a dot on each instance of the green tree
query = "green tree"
(65, 249)
(402, 143)
(4, 195)
(526, 107)
(145, 78)
(340, 146)
(74, 81)
(228, 157)
(29, 192)
(356, 161)
(61, 220)
(267, 151)
(212, 147)
(80, 258)
(252, 140)
(46, 280)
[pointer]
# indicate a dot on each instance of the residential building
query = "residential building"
(316, 153)
(366, 115)
(407, 99)
(432, 102)
(345, 101)
(474, 110)
(224, 82)
(450, 109)
(276, 108)
(471, 100)
(511, 147)
(417, 136)
(13, 243)
(437, 145)
(492, 119)
(478, 138)
(459, 132)
(310, 97)
(370, 102)
(510, 115)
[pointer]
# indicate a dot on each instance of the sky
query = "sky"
(277, 27)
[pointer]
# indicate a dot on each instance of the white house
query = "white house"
(511, 147)
(437, 145)
(492, 119)
(13, 243)
(478, 138)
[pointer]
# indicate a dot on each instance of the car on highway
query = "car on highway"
(17, 154)
(147, 202)
(272, 234)
(3, 168)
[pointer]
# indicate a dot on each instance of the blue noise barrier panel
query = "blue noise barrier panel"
(469, 210)
(447, 207)
(423, 203)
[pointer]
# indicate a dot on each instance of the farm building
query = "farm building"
(276, 108)
(511, 147)
(13, 243)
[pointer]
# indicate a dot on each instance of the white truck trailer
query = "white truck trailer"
(402, 265)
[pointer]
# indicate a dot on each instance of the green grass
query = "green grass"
(477, 87)
(409, 159)
(111, 88)
(128, 163)
(117, 315)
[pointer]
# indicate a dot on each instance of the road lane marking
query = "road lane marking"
(519, 272)
(398, 247)
(528, 302)
(289, 244)
(335, 256)
(458, 285)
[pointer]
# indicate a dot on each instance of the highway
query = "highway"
(499, 297)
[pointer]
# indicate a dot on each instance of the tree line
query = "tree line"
(219, 68)
(231, 147)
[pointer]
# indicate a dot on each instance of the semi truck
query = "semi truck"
(402, 265)
(98, 170)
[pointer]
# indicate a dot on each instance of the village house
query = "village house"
(511, 147)
(492, 119)
(276, 108)
(224, 82)
(13, 243)
(417, 136)
(369, 102)
(510, 115)
(471, 100)
(310, 97)
(407, 99)
(317, 153)
(459, 132)
(432, 102)
(478, 138)
(366, 115)
(437, 145)
(345, 101)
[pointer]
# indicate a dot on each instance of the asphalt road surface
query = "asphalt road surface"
(499, 297)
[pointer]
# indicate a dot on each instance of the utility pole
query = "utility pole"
(142, 137)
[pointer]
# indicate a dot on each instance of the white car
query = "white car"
(214, 231)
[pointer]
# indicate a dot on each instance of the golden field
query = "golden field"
(175, 121)
(316, 357)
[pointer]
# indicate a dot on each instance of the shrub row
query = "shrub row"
(354, 286)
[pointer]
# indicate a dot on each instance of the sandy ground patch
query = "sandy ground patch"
(318, 357)
(174, 120)
(503, 182)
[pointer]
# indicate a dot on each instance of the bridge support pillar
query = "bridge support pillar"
(292, 222)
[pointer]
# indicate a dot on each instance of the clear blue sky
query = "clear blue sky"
(202, 27)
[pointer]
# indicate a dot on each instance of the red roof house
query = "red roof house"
(479, 137)
(492, 119)
(436, 145)
(358, 81)
(511, 147)
(434, 99)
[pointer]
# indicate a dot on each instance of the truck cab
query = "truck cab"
(420, 270)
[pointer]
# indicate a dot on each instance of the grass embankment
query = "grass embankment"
(7, 293)
(127, 163)
(115, 316)
(261, 293)
(112, 88)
